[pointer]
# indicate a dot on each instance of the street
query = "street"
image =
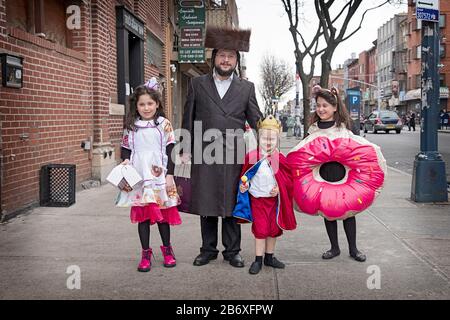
(401, 149)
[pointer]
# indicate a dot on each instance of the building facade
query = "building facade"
(81, 60)
(414, 39)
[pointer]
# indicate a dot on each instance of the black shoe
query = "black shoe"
(204, 258)
(358, 256)
(255, 267)
(274, 263)
(235, 261)
(330, 254)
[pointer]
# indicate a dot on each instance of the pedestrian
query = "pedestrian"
(147, 144)
(330, 118)
(265, 195)
(441, 119)
(404, 120)
(445, 121)
(219, 102)
(412, 121)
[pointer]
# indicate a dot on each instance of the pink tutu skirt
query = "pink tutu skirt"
(153, 213)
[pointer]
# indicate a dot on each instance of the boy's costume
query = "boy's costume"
(285, 217)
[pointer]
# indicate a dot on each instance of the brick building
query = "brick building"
(81, 61)
(414, 37)
(76, 80)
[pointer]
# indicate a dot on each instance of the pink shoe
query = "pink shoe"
(169, 257)
(146, 264)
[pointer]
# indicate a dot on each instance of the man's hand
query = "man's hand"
(185, 158)
(274, 191)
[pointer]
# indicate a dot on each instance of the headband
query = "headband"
(317, 88)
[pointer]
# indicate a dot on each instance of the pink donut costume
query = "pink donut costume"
(365, 170)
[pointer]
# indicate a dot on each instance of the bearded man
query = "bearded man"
(216, 110)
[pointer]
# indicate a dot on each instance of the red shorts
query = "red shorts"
(264, 213)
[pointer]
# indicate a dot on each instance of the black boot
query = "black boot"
(271, 261)
(256, 265)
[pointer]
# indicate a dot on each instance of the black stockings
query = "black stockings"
(144, 233)
(350, 232)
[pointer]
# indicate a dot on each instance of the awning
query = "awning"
(416, 94)
(413, 94)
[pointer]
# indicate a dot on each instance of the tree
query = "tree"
(327, 38)
(277, 79)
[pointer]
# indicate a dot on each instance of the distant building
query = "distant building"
(388, 42)
(414, 40)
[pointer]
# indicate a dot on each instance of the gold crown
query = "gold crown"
(269, 123)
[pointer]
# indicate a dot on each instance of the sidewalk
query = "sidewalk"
(408, 242)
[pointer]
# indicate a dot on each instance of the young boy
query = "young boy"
(265, 195)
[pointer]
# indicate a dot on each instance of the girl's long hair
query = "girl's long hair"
(341, 115)
(133, 114)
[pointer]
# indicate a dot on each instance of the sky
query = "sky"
(270, 33)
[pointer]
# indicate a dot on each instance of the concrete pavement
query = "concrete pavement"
(407, 245)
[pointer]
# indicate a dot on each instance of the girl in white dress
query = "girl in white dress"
(147, 144)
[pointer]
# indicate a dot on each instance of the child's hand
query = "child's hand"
(125, 162)
(274, 191)
(170, 182)
(243, 187)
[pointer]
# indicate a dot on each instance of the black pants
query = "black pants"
(231, 235)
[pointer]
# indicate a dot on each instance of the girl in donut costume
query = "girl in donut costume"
(336, 174)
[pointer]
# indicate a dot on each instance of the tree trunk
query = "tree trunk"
(306, 105)
(326, 66)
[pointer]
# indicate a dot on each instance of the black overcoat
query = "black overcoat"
(214, 185)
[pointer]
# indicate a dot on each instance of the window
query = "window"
(154, 51)
(442, 21)
(44, 18)
(418, 54)
(442, 80)
(418, 81)
(442, 50)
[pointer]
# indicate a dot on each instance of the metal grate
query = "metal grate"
(57, 185)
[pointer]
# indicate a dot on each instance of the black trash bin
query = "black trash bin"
(57, 185)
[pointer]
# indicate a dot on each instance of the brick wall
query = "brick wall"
(2, 18)
(46, 120)
(65, 98)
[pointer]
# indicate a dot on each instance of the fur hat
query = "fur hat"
(224, 38)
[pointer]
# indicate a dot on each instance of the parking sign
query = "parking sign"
(427, 10)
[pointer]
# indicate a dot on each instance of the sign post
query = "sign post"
(354, 107)
(429, 179)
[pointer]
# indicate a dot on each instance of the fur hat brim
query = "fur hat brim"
(230, 39)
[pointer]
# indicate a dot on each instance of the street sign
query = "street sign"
(191, 17)
(354, 107)
(427, 10)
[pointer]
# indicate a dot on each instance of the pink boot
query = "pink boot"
(146, 264)
(169, 257)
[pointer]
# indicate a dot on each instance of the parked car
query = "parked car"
(384, 120)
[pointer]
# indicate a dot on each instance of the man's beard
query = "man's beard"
(224, 73)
